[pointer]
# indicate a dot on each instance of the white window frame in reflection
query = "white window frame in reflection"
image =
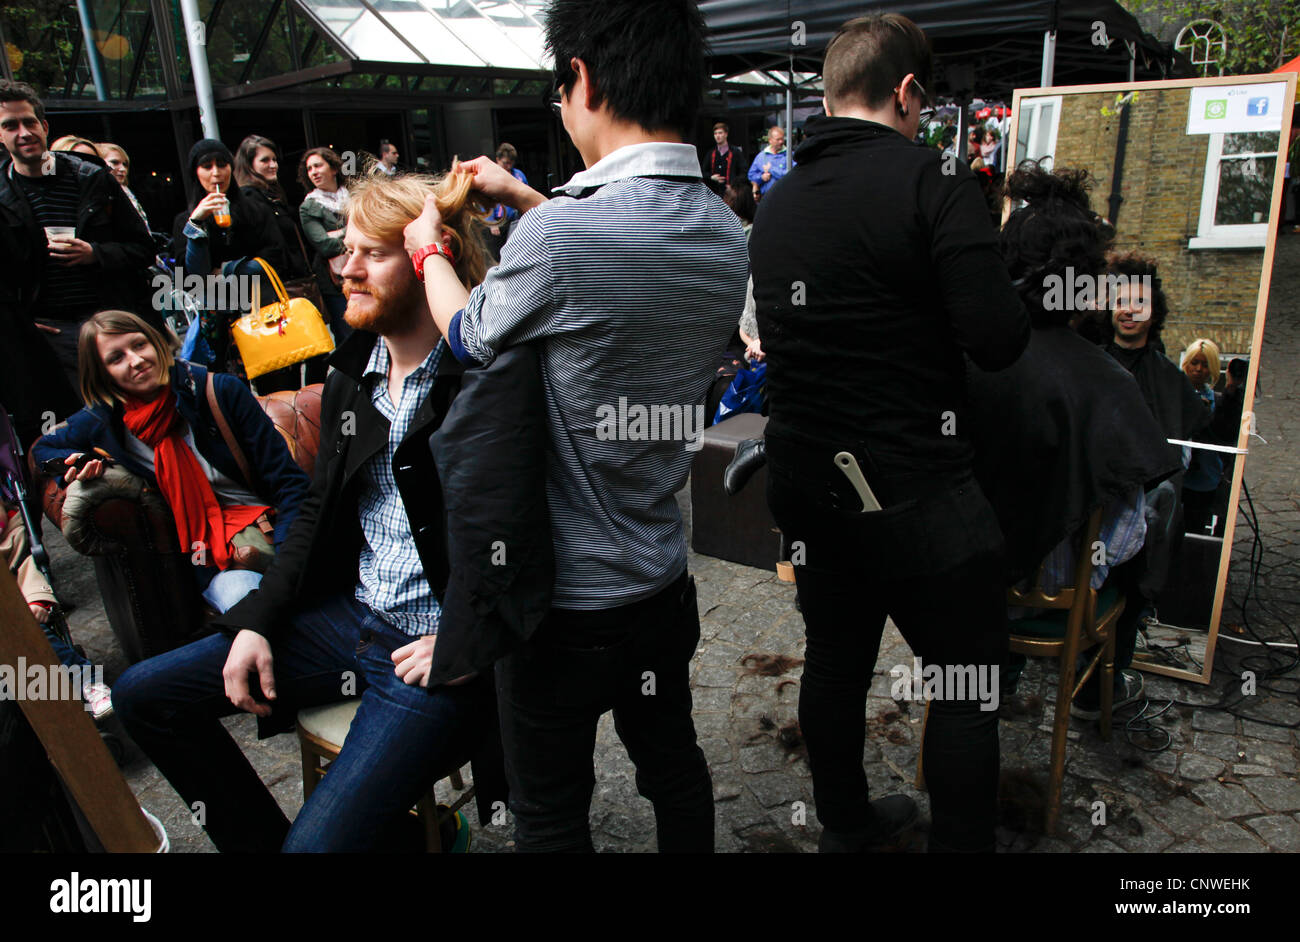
(1210, 235)
(1031, 116)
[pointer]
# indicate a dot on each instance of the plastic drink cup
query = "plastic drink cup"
(60, 233)
(222, 216)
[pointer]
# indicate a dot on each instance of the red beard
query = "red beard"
(390, 312)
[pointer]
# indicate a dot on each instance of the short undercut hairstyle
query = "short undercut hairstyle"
(21, 91)
(722, 126)
(869, 56)
(645, 59)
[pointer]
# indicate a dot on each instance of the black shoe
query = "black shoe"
(751, 454)
(893, 815)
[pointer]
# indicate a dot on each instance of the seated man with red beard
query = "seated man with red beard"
(369, 572)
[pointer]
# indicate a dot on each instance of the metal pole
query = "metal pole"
(92, 51)
(962, 130)
(197, 40)
(1049, 58)
(789, 118)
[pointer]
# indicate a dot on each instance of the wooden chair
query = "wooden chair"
(1089, 619)
(321, 732)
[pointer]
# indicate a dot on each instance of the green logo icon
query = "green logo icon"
(1218, 108)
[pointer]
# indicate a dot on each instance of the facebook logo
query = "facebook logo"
(1257, 107)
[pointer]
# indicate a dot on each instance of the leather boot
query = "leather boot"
(751, 454)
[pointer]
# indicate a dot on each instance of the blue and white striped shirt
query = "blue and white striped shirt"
(632, 291)
(392, 579)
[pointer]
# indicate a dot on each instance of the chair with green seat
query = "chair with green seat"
(1068, 622)
(1071, 620)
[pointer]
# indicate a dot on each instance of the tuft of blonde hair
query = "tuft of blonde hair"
(69, 141)
(383, 206)
(1210, 350)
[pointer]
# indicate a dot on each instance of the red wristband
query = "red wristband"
(419, 255)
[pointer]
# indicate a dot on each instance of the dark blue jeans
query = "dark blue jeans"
(633, 660)
(65, 652)
(402, 739)
(932, 561)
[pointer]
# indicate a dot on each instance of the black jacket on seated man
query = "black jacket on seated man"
(482, 530)
(1058, 434)
(483, 533)
(1178, 410)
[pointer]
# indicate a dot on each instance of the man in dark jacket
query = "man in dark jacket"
(869, 288)
(1138, 310)
(61, 282)
(367, 583)
(724, 164)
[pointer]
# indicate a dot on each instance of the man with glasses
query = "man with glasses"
(634, 261)
(875, 269)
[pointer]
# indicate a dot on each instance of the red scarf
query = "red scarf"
(200, 518)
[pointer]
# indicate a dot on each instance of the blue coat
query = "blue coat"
(280, 482)
(780, 166)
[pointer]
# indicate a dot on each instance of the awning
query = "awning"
(989, 47)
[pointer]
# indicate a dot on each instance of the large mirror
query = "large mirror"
(1190, 173)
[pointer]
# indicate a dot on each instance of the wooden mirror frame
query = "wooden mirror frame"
(1266, 274)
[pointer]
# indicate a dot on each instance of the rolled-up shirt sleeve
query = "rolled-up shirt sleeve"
(516, 302)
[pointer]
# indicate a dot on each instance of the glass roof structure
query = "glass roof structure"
(455, 49)
(475, 33)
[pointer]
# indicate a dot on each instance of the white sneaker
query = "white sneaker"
(99, 700)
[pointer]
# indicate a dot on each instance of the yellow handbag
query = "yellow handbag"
(282, 333)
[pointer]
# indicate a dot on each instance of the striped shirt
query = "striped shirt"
(67, 292)
(632, 291)
(1123, 531)
(392, 580)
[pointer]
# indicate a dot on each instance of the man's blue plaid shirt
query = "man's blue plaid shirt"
(392, 575)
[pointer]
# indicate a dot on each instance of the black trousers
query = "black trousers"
(633, 660)
(931, 560)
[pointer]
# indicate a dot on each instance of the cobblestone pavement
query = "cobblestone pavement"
(1226, 783)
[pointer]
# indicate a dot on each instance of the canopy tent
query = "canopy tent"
(987, 46)
(1292, 66)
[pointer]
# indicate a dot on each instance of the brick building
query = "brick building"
(1210, 273)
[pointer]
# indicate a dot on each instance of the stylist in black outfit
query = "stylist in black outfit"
(873, 272)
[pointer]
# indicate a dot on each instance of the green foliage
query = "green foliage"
(1261, 34)
(45, 33)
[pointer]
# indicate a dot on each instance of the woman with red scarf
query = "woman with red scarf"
(153, 415)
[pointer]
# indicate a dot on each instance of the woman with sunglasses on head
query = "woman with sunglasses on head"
(151, 414)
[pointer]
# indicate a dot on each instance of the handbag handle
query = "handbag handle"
(277, 285)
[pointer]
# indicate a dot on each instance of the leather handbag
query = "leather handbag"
(282, 333)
